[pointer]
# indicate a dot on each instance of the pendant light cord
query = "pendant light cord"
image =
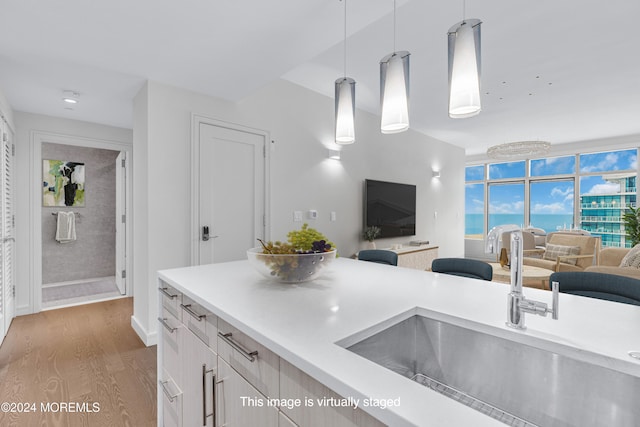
(394, 26)
(345, 38)
(464, 10)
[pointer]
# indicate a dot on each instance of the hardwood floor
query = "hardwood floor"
(80, 354)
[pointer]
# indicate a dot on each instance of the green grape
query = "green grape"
(304, 238)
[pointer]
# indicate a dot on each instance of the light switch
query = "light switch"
(297, 216)
(333, 216)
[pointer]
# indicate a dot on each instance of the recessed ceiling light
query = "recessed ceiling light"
(70, 96)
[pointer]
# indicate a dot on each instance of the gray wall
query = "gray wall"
(93, 253)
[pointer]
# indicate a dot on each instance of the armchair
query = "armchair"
(566, 252)
(529, 248)
(610, 263)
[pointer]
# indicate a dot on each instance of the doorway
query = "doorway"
(230, 182)
(81, 227)
(85, 269)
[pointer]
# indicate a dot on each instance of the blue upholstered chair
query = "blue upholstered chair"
(609, 287)
(463, 267)
(378, 255)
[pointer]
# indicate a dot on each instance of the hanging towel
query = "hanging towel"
(66, 229)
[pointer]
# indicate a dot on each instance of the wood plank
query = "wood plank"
(79, 354)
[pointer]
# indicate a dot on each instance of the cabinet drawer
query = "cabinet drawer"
(171, 330)
(296, 384)
(171, 403)
(171, 298)
(236, 348)
(200, 321)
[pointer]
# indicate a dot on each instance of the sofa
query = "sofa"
(610, 260)
(583, 249)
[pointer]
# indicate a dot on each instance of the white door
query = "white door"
(231, 192)
(7, 285)
(121, 223)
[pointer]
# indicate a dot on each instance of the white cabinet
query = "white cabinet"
(212, 374)
(253, 361)
(199, 374)
(241, 404)
(187, 362)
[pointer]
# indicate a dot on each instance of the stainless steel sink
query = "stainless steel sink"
(516, 383)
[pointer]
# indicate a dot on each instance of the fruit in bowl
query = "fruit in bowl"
(302, 258)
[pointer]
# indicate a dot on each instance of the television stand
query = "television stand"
(418, 257)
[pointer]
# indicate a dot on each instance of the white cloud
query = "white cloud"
(507, 208)
(557, 191)
(606, 188)
(633, 162)
(608, 163)
(551, 208)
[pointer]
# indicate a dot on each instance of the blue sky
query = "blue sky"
(547, 197)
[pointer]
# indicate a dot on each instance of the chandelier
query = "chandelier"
(519, 149)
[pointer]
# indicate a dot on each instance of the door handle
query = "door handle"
(205, 234)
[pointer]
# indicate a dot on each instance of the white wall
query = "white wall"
(300, 123)
(26, 124)
(6, 111)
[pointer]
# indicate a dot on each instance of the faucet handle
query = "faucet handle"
(555, 289)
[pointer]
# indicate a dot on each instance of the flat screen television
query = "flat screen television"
(390, 206)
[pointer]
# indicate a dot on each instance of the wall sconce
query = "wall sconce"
(435, 174)
(334, 154)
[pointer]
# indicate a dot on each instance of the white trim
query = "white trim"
(35, 205)
(75, 282)
(196, 121)
(147, 338)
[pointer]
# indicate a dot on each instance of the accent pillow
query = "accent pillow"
(554, 251)
(632, 258)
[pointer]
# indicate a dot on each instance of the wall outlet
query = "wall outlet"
(297, 216)
(333, 216)
(313, 214)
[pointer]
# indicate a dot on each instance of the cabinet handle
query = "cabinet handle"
(250, 356)
(205, 371)
(166, 391)
(166, 292)
(163, 320)
(213, 399)
(193, 314)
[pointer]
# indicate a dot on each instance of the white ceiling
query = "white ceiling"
(561, 71)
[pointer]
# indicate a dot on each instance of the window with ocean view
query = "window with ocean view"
(589, 191)
(506, 204)
(551, 205)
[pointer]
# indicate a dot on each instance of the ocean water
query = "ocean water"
(548, 222)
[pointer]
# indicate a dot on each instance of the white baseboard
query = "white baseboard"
(147, 338)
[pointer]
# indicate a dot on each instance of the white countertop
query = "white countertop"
(302, 323)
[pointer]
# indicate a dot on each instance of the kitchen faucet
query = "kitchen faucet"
(517, 304)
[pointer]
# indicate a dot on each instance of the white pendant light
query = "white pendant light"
(394, 88)
(345, 99)
(345, 110)
(464, 69)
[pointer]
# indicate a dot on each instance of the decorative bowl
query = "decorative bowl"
(290, 268)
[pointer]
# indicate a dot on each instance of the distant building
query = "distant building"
(603, 214)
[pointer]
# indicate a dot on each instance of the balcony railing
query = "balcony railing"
(607, 205)
(600, 219)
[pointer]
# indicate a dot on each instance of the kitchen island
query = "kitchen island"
(308, 326)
